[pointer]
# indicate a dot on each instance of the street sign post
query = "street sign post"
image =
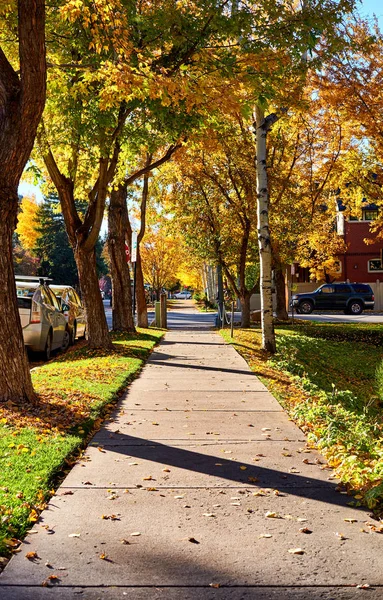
(134, 247)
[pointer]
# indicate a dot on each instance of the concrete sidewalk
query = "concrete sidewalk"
(199, 487)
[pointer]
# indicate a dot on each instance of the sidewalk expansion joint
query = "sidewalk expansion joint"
(313, 586)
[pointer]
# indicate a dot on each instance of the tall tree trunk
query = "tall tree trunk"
(97, 328)
(15, 379)
(245, 311)
(142, 312)
(22, 100)
(119, 269)
(280, 288)
(265, 256)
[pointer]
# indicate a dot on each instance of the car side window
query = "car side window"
(46, 298)
(53, 300)
(342, 289)
(328, 289)
(72, 297)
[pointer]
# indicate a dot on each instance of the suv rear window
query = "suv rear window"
(361, 288)
(342, 289)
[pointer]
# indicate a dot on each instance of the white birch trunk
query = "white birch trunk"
(265, 255)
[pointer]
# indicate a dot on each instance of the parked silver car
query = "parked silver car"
(72, 309)
(44, 325)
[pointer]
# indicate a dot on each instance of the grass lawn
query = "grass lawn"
(37, 442)
(325, 375)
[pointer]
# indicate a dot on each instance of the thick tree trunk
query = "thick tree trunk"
(119, 270)
(97, 327)
(15, 378)
(142, 312)
(245, 311)
(22, 99)
(265, 255)
(280, 288)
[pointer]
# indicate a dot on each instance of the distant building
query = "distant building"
(361, 262)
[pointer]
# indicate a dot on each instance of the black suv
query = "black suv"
(352, 298)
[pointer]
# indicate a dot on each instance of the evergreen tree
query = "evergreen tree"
(56, 259)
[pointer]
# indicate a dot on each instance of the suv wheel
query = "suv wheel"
(355, 307)
(306, 307)
(66, 341)
(47, 353)
(73, 334)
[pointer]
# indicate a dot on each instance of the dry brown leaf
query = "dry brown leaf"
(31, 555)
(305, 530)
(296, 551)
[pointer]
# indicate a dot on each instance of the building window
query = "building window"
(370, 215)
(374, 265)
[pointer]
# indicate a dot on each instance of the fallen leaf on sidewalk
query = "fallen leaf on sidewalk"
(265, 535)
(340, 536)
(243, 468)
(193, 540)
(273, 515)
(296, 551)
(215, 585)
(135, 533)
(305, 530)
(50, 579)
(31, 555)
(208, 515)
(74, 535)
(350, 520)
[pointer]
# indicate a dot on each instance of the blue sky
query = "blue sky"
(369, 7)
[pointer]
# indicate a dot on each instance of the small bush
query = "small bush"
(379, 380)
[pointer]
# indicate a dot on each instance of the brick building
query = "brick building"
(361, 262)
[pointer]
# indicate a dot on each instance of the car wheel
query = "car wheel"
(47, 353)
(66, 341)
(306, 307)
(355, 307)
(73, 334)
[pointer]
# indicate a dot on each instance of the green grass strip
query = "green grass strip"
(326, 378)
(76, 391)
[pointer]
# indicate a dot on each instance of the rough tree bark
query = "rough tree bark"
(116, 214)
(142, 313)
(118, 223)
(280, 288)
(262, 126)
(22, 99)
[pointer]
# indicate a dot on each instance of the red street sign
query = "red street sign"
(127, 252)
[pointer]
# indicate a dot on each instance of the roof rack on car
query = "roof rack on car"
(35, 278)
